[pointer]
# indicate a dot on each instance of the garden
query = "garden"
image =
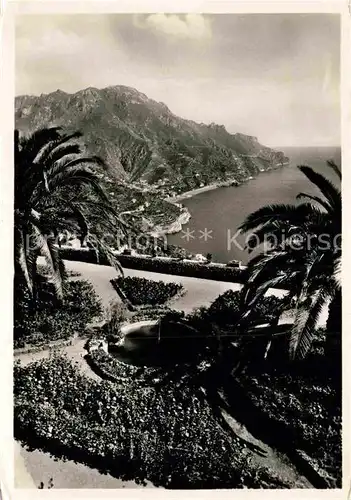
(142, 291)
(165, 423)
(307, 427)
(108, 427)
(308, 423)
(50, 320)
(168, 437)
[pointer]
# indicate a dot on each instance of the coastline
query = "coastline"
(204, 189)
(210, 187)
(172, 228)
(184, 217)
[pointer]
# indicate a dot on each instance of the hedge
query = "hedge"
(51, 321)
(142, 291)
(216, 272)
(114, 370)
(227, 308)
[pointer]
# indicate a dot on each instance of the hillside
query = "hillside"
(151, 154)
(142, 140)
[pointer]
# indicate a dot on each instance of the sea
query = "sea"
(217, 214)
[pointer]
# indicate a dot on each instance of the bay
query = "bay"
(217, 214)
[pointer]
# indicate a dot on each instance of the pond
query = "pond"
(147, 343)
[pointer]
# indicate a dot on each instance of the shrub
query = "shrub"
(113, 369)
(304, 404)
(169, 437)
(226, 309)
(142, 291)
(158, 265)
(116, 315)
(51, 321)
(45, 270)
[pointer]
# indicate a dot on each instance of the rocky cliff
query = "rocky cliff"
(143, 141)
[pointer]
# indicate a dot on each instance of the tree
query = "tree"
(209, 257)
(56, 190)
(301, 252)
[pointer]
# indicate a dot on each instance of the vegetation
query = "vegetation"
(142, 291)
(302, 408)
(113, 369)
(135, 156)
(227, 308)
(168, 437)
(159, 265)
(141, 206)
(147, 313)
(45, 271)
(303, 252)
(115, 316)
(165, 422)
(299, 407)
(188, 341)
(56, 191)
(51, 320)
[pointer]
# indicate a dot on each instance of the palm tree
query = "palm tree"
(302, 252)
(56, 191)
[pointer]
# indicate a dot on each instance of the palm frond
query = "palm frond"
(81, 220)
(334, 167)
(31, 146)
(308, 310)
(337, 272)
(49, 148)
(327, 188)
(105, 210)
(62, 151)
(70, 164)
(267, 271)
(317, 199)
(56, 190)
(82, 177)
(275, 212)
(102, 249)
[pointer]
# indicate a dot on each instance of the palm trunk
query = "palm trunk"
(333, 340)
(34, 272)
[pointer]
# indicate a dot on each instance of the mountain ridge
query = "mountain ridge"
(152, 155)
(172, 148)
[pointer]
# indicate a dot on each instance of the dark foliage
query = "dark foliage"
(168, 437)
(114, 370)
(51, 320)
(57, 191)
(302, 407)
(192, 269)
(227, 308)
(300, 247)
(142, 291)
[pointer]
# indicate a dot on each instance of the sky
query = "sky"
(273, 76)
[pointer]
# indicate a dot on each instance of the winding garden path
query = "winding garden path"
(68, 474)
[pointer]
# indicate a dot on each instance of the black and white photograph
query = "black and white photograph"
(177, 251)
